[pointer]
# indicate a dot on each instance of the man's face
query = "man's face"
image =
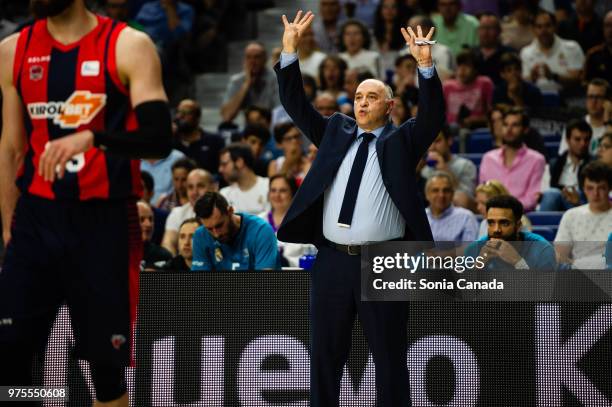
(578, 143)
(513, 130)
(49, 8)
(179, 180)
(255, 59)
(145, 215)
(371, 106)
(511, 74)
(307, 40)
(466, 73)
(406, 70)
(488, 31)
(331, 72)
(329, 9)
(596, 192)
(185, 239)
(502, 225)
(255, 118)
(220, 226)
(255, 143)
(197, 185)
(604, 151)
(596, 96)
(449, 10)
(227, 168)
(187, 116)
(291, 142)
(441, 145)
(544, 30)
(439, 194)
(325, 105)
(353, 38)
(351, 81)
(117, 9)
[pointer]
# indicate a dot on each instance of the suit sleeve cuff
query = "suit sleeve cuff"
(427, 72)
(287, 59)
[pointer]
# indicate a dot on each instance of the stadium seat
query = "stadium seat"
(545, 218)
(551, 137)
(545, 231)
(551, 99)
(479, 142)
(476, 158)
(552, 147)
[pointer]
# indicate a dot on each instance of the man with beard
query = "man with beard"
(564, 192)
(82, 100)
(518, 167)
(192, 140)
(231, 240)
(527, 251)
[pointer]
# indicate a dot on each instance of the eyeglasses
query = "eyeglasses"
(605, 146)
(291, 138)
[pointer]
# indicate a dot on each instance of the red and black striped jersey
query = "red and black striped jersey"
(69, 88)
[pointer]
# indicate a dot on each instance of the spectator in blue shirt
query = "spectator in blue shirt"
(527, 251)
(166, 21)
(231, 241)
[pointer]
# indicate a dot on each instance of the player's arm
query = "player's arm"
(139, 68)
(12, 141)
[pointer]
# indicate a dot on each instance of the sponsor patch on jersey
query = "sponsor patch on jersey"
(117, 341)
(90, 68)
(80, 108)
(36, 72)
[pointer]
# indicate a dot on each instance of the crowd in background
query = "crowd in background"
(528, 109)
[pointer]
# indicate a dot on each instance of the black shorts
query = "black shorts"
(85, 254)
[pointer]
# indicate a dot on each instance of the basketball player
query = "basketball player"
(82, 99)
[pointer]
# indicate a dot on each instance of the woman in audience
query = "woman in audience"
(486, 191)
(331, 76)
(281, 192)
(390, 14)
(355, 46)
(496, 124)
(293, 162)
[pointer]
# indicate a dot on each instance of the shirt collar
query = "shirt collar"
(444, 213)
(376, 132)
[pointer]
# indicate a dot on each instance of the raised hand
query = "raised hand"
(422, 53)
(294, 30)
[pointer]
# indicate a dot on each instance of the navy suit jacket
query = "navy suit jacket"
(398, 150)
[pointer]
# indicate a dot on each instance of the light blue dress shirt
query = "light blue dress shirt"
(376, 218)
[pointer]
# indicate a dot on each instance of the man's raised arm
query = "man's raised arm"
(291, 88)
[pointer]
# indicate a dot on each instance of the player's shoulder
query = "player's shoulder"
(133, 39)
(8, 48)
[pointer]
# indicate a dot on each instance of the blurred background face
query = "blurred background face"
(145, 216)
(501, 224)
(117, 9)
(596, 96)
(351, 81)
(406, 70)
(255, 58)
(331, 74)
(513, 130)
(371, 106)
(481, 203)
(544, 30)
(442, 146)
(449, 10)
(255, 143)
(466, 73)
(185, 239)
(179, 181)
(48, 8)
(227, 168)
(584, 6)
(596, 192)
(329, 10)
(439, 194)
(511, 74)
(197, 186)
(353, 38)
(292, 142)
(186, 117)
(255, 118)
(488, 31)
(578, 143)
(388, 10)
(604, 151)
(399, 113)
(497, 124)
(307, 40)
(326, 105)
(280, 195)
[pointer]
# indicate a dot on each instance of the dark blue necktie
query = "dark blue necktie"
(352, 187)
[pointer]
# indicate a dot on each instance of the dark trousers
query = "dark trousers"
(335, 299)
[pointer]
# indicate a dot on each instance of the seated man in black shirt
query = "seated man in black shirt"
(154, 256)
(182, 261)
(513, 90)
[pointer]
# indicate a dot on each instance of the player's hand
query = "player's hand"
(534, 75)
(422, 53)
(294, 30)
(57, 153)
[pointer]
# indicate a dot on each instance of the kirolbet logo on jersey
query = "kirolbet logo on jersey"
(80, 108)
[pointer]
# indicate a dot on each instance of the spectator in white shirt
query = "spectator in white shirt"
(310, 56)
(355, 46)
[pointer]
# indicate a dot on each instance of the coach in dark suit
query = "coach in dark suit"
(361, 188)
